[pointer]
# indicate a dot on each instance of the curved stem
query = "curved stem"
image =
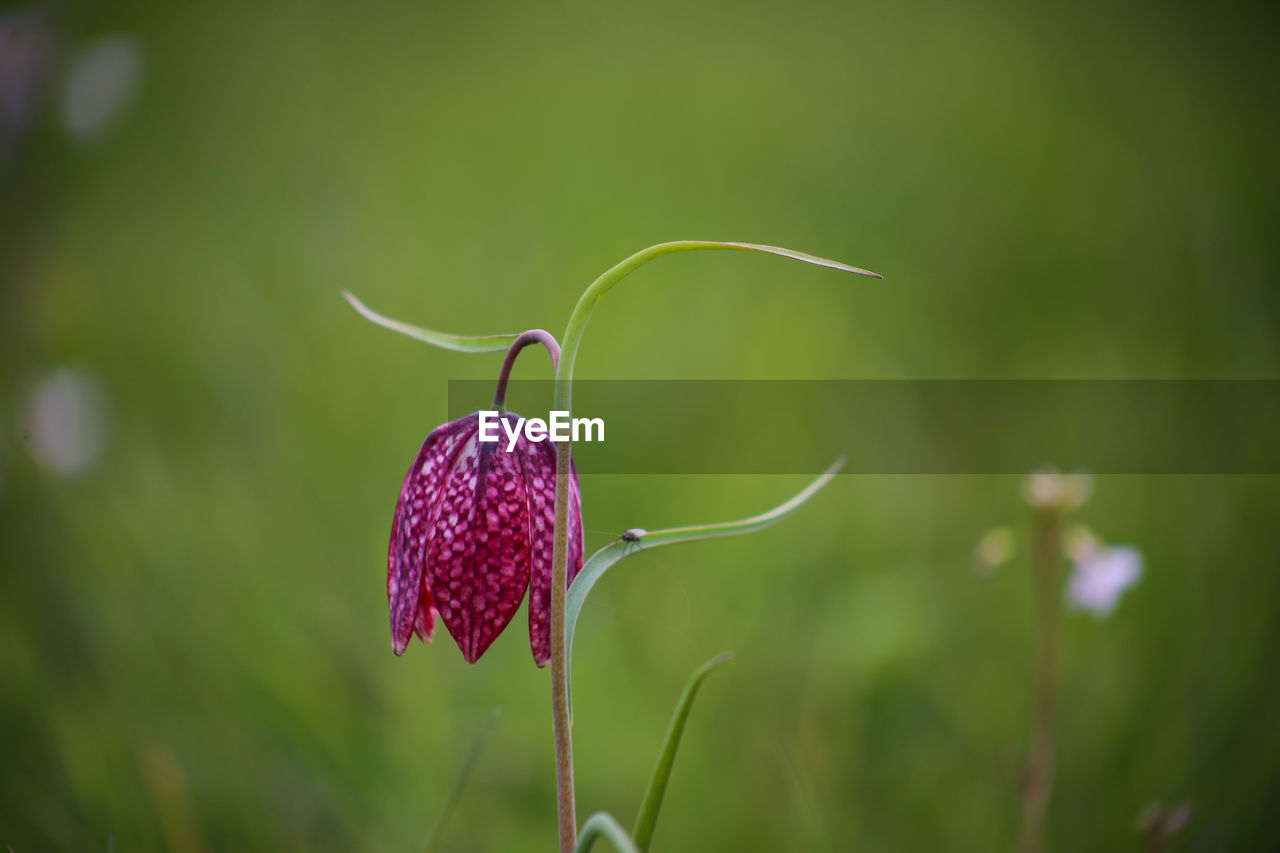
(582, 311)
(605, 825)
(533, 336)
(560, 554)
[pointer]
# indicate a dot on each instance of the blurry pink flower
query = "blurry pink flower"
(1101, 575)
(474, 527)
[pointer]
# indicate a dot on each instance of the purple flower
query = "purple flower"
(474, 527)
(1101, 575)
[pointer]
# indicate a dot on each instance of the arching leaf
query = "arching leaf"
(457, 343)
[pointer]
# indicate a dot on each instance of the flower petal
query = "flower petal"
(575, 525)
(478, 555)
(540, 476)
(407, 591)
(425, 625)
(1101, 577)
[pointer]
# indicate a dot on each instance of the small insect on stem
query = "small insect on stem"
(632, 537)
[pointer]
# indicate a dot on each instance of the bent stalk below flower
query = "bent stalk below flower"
(533, 336)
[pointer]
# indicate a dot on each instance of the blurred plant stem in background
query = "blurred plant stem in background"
(1047, 561)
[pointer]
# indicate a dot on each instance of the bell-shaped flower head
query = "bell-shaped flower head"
(474, 528)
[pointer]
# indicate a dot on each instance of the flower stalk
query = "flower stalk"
(533, 336)
(570, 343)
(565, 807)
(1047, 581)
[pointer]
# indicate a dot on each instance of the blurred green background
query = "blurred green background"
(201, 444)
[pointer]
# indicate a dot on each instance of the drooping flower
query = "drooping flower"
(1100, 575)
(474, 528)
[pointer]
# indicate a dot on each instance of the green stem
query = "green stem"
(560, 554)
(604, 825)
(565, 806)
(1038, 782)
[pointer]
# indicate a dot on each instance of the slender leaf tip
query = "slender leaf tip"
(605, 558)
(647, 818)
(805, 257)
(722, 658)
(444, 340)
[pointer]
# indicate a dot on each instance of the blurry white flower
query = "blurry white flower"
(1041, 487)
(101, 83)
(1046, 488)
(66, 421)
(1100, 575)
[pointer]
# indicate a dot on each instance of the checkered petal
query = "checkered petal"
(478, 554)
(408, 593)
(540, 477)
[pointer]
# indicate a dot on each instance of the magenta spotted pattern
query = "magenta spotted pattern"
(473, 529)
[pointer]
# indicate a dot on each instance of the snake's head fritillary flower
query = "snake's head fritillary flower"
(474, 528)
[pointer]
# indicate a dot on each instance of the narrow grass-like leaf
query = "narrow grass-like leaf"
(457, 343)
(433, 838)
(606, 826)
(647, 818)
(610, 277)
(604, 559)
(799, 256)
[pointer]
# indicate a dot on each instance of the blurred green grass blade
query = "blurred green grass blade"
(456, 343)
(606, 826)
(473, 756)
(647, 818)
(604, 559)
(802, 787)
